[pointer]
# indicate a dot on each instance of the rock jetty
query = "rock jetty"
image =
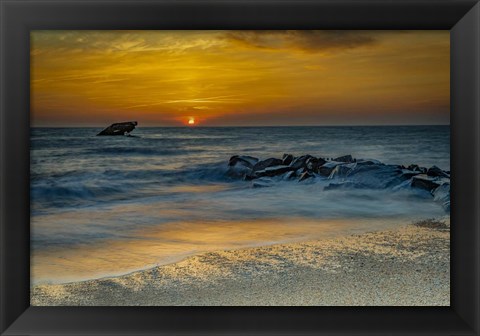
(342, 172)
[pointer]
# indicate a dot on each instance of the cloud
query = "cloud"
(105, 42)
(304, 40)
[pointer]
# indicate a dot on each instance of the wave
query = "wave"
(84, 188)
(147, 150)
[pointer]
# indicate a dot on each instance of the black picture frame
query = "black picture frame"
(18, 17)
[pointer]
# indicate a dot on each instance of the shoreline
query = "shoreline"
(404, 266)
(173, 243)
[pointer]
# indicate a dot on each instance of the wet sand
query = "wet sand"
(406, 266)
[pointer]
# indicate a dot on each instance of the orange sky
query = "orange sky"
(164, 78)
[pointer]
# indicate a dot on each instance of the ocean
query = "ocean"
(103, 206)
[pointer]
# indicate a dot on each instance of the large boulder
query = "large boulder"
(342, 170)
(240, 166)
(305, 175)
(345, 158)
(408, 173)
(417, 168)
(327, 168)
(300, 162)
(437, 172)
(261, 165)
(245, 160)
(272, 171)
(313, 163)
(426, 182)
(287, 159)
(442, 195)
(368, 162)
(376, 176)
(290, 175)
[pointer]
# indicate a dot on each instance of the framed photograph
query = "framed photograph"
(237, 167)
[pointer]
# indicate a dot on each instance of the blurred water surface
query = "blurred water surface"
(163, 193)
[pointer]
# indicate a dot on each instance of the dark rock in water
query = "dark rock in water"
(442, 195)
(345, 158)
(122, 128)
(240, 166)
(290, 175)
(416, 168)
(261, 165)
(437, 172)
(327, 168)
(313, 163)
(345, 172)
(425, 182)
(246, 160)
(413, 167)
(342, 170)
(238, 170)
(305, 175)
(368, 162)
(300, 162)
(376, 176)
(287, 159)
(408, 173)
(272, 171)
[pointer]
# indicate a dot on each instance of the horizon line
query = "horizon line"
(245, 126)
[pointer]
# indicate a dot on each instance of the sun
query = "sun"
(191, 121)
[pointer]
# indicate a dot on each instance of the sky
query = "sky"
(240, 78)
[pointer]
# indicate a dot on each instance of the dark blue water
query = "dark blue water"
(88, 190)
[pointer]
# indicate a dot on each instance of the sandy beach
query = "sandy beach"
(407, 266)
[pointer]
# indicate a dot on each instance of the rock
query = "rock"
(413, 167)
(287, 159)
(305, 175)
(409, 173)
(371, 174)
(342, 170)
(368, 162)
(442, 195)
(238, 170)
(437, 172)
(327, 168)
(247, 160)
(123, 128)
(425, 182)
(240, 166)
(261, 165)
(273, 171)
(300, 162)
(290, 175)
(345, 158)
(416, 168)
(377, 176)
(313, 163)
